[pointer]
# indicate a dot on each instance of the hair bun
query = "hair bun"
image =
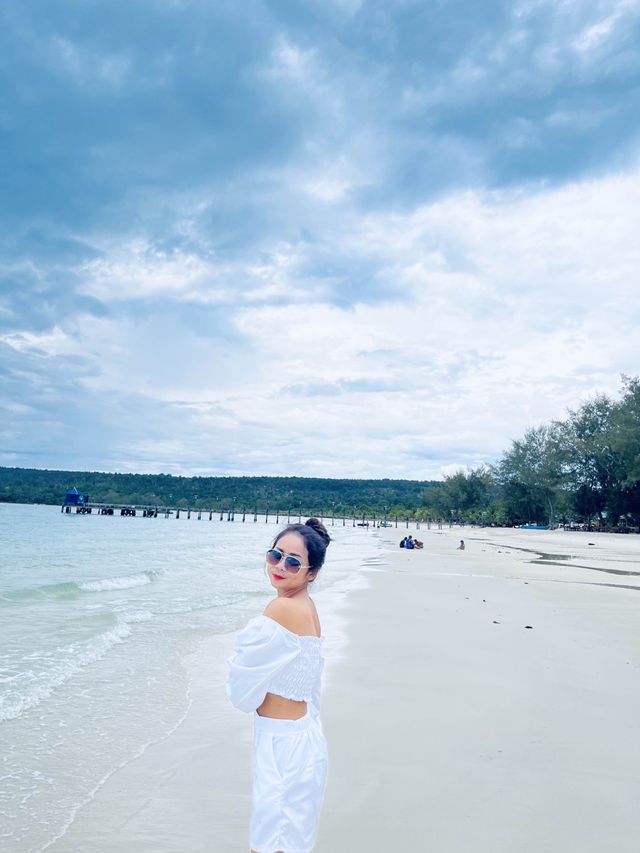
(320, 529)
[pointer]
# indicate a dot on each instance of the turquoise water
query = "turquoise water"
(97, 614)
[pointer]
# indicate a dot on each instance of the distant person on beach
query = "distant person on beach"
(418, 544)
(409, 543)
(403, 542)
(461, 546)
(274, 674)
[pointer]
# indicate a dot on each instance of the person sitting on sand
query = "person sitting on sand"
(418, 544)
(409, 542)
(461, 546)
(403, 542)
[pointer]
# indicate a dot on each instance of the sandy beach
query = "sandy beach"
(477, 700)
(460, 729)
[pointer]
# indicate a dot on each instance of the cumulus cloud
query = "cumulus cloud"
(358, 243)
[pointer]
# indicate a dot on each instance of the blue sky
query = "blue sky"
(342, 238)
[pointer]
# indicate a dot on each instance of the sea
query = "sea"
(98, 615)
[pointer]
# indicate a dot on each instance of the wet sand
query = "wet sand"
(452, 726)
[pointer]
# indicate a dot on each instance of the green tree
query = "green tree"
(531, 475)
(625, 443)
(592, 466)
(460, 495)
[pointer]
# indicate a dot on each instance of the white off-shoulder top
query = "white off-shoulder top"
(268, 658)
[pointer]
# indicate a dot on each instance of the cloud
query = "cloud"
(508, 301)
(609, 22)
(355, 239)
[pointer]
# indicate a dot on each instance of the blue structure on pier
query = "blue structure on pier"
(75, 498)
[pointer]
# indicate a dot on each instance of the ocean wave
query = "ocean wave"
(175, 609)
(69, 590)
(69, 660)
(137, 616)
(123, 582)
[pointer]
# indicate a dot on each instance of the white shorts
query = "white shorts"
(289, 774)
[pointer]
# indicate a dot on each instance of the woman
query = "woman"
(275, 672)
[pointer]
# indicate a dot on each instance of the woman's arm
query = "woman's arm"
(262, 649)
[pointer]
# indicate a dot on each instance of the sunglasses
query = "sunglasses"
(291, 564)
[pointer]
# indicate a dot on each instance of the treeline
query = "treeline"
(584, 470)
(306, 494)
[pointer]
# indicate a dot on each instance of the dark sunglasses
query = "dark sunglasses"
(292, 564)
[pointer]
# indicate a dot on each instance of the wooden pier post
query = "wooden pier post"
(210, 514)
(244, 514)
(177, 513)
(266, 514)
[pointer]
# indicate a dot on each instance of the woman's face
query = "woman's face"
(285, 582)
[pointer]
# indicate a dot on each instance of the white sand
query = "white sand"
(446, 732)
(452, 733)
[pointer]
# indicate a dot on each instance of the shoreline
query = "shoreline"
(451, 725)
(190, 791)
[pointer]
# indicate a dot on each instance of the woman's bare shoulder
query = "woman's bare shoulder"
(292, 615)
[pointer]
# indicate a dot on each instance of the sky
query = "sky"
(330, 238)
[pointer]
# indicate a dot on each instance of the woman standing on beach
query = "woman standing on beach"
(275, 674)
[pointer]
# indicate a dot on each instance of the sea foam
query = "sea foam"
(69, 660)
(117, 583)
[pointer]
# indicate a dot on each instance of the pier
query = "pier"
(80, 505)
